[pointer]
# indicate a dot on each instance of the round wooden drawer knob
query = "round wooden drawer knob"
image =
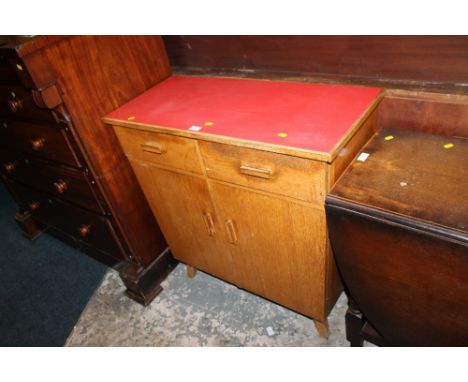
(37, 143)
(84, 230)
(34, 206)
(10, 166)
(60, 186)
(15, 104)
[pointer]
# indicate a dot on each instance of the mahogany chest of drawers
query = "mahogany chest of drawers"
(62, 165)
(398, 224)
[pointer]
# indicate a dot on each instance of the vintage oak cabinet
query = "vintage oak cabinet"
(236, 172)
(63, 165)
(398, 221)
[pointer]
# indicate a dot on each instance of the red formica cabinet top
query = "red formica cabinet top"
(307, 116)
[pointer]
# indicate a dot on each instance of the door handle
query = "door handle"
(259, 172)
(153, 147)
(209, 223)
(231, 228)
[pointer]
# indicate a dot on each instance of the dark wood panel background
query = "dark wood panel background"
(422, 62)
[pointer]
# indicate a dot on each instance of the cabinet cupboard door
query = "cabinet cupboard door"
(183, 208)
(278, 246)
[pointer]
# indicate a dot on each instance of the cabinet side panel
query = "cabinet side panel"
(352, 148)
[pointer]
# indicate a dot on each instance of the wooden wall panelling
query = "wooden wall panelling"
(432, 62)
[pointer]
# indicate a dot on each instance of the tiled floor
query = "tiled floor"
(203, 311)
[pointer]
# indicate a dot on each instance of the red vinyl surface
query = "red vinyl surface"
(303, 115)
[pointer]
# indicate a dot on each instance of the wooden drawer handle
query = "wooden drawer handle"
(9, 167)
(259, 172)
(61, 186)
(153, 147)
(37, 143)
(15, 104)
(84, 230)
(209, 223)
(34, 206)
(231, 228)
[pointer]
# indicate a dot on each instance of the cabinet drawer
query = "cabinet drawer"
(298, 178)
(15, 101)
(162, 149)
(71, 185)
(85, 226)
(49, 142)
(26, 197)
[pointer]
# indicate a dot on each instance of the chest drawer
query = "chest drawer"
(85, 226)
(298, 178)
(71, 185)
(161, 149)
(49, 142)
(15, 101)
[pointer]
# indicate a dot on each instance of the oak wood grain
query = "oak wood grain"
(183, 207)
(279, 247)
(281, 174)
(162, 149)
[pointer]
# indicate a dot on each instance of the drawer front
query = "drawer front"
(26, 197)
(161, 149)
(86, 227)
(298, 178)
(17, 102)
(49, 142)
(71, 185)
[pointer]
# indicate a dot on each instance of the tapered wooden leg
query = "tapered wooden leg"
(191, 272)
(322, 328)
(354, 323)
